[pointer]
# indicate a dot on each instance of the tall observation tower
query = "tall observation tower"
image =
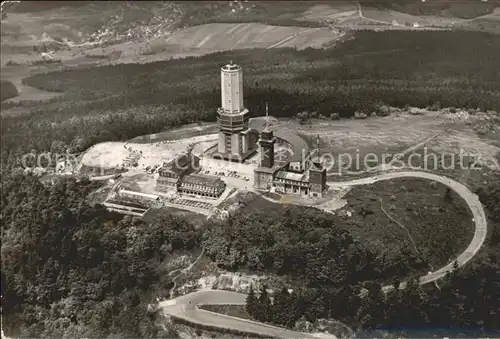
(235, 143)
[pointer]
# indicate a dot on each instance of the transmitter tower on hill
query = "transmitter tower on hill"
(235, 142)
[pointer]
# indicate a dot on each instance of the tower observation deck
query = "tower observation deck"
(231, 88)
(234, 140)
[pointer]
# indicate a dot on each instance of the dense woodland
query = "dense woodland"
(303, 244)
(458, 9)
(122, 101)
(7, 90)
(316, 254)
(466, 305)
(76, 270)
(490, 197)
(72, 270)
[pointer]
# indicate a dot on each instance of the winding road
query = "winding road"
(186, 307)
(472, 200)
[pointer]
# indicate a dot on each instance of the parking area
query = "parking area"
(228, 174)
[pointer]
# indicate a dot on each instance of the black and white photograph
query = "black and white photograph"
(250, 169)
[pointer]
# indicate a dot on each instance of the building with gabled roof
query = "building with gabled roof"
(171, 173)
(180, 175)
(300, 175)
(202, 185)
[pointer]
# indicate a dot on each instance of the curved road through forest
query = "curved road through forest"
(472, 200)
(186, 307)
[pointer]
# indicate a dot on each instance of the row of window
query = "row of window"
(166, 183)
(211, 195)
(201, 187)
(168, 175)
(291, 182)
(295, 190)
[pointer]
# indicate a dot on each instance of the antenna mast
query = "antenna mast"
(267, 115)
(317, 143)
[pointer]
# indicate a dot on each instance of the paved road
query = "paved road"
(185, 307)
(470, 198)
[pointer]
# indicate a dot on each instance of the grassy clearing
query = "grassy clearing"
(437, 220)
(268, 12)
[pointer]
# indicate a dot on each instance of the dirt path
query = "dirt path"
(400, 225)
(464, 192)
(361, 16)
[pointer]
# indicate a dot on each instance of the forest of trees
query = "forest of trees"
(466, 305)
(73, 270)
(126, 100)
(459, 9)
(303, 244)
(490, 197)
(315, 255)
(7, 90)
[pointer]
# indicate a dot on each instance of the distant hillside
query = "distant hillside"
(282, 13)
(77, 23)
(446, 8)
(40, 6)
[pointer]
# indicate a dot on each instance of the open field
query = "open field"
(15, 74)
(336, 12)
(99, 33)
(187, 131)
(388, 16)
(192, 41)
(217, 37)
(396, 133)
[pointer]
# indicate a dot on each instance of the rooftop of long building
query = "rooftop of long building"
(202, 179)
(291, 176)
